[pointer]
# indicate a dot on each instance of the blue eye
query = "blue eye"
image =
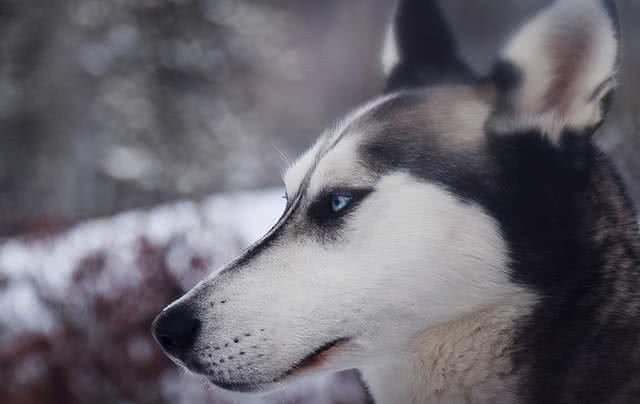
(339, 201)
(331, 206)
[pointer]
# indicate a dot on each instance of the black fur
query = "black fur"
(426, 48)
(571, 243)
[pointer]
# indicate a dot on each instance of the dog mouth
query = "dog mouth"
(314, 360)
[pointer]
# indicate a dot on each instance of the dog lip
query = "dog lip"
(299, 366)
(314, 356)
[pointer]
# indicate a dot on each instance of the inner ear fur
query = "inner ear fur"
(558, 70)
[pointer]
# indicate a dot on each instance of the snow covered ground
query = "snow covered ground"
(216, 228)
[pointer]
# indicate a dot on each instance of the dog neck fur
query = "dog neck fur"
(464, 361)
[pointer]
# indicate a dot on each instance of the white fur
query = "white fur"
(543, 49)
(390, 56)
(295, 174)
(339, 169)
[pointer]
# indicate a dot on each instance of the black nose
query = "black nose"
(176, 329)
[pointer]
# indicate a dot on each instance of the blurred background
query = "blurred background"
(141, 146)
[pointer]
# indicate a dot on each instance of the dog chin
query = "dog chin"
(264, 388)
(248, 388)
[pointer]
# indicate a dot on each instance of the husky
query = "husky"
(457, 239)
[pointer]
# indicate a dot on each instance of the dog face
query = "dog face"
(393, 219)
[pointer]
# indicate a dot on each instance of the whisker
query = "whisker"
(281, 153)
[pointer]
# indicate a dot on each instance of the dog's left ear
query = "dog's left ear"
(556, 73)
(420, 49)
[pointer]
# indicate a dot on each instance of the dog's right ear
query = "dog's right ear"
(420, 49)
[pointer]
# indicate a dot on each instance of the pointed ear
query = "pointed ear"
(555, 73)
(420, 49)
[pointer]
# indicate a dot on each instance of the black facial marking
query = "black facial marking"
(326, 222)
(422, 153)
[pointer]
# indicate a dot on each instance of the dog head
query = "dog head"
(411, 212)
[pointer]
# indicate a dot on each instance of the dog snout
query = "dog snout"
(176, 329)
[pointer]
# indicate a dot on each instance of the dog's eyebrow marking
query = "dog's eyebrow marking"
(300, 172)
(343, 126)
